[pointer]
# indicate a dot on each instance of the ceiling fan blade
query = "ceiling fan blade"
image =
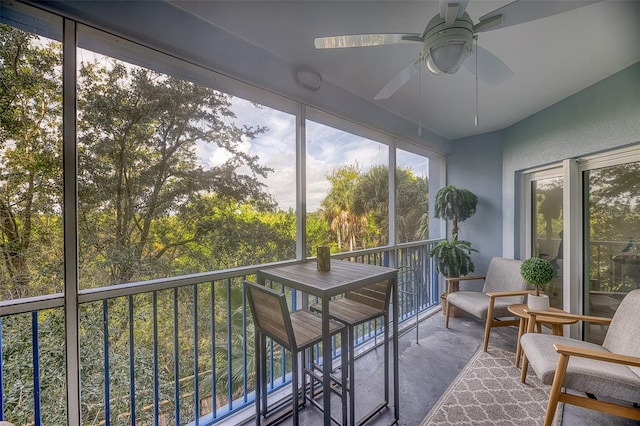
(399, 80)
(364, 40)
(444, 5)
(522, 11)
(491, 69)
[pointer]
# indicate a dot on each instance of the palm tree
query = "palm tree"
(338, 207)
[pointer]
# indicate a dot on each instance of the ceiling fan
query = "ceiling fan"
(447, 41)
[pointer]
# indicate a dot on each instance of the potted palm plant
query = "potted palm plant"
(453, 256)
(537, 272)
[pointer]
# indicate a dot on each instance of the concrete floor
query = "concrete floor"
(428, 364)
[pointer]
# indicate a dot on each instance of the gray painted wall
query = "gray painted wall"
(475, 163)
(600, 118)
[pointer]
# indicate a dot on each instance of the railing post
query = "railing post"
(36, 368)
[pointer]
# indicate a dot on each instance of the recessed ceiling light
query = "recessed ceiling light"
(308, 79)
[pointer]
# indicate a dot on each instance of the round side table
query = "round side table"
(555, 323)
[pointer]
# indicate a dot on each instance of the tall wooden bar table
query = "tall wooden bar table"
(341, 278)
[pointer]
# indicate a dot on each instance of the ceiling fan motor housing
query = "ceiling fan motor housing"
(446, 47)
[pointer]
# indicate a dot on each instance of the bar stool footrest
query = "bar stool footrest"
(376, 410)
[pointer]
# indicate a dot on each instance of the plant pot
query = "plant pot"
(538, 303)
(454, 311)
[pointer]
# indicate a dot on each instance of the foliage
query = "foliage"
(138, 132)
(537, 271)
(318, 233)
(338, 208)
(30, 160)
(614, 215)
(455, 204)
(412, 202)
(147, 208)
(453, 257)
(357, 206)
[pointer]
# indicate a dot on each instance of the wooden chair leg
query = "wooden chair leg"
(521, 328)
(446, 313)
(525, 366)
(487, 327)
(556, 388)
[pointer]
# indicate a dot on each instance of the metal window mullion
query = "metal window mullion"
(301, 182)
(392, 195)
(70, 194)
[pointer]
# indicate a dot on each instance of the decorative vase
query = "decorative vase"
(538, 303)
(324, 258)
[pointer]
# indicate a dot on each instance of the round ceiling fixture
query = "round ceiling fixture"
(446, 47)
(308, 79)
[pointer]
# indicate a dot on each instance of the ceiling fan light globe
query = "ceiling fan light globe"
(447, 46)
(447, 58)
(431, 66)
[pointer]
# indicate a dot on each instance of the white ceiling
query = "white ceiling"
(552, 58)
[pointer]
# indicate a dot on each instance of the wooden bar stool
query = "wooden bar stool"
(355, 308)
(296, 332)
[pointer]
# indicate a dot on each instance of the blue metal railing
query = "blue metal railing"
(171, 351)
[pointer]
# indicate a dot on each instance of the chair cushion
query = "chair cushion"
(585, 375)
(623, 335)
(477, 303)
(504, 275)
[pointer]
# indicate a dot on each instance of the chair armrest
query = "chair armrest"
(632, 361)
(568, 315)
(495, 294)
(450, 281)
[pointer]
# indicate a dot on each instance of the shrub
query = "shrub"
(537, 272)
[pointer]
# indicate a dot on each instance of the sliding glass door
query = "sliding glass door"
(584, 217)
(546, 222)
(612, 235)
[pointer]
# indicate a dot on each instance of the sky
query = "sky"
(327, 149)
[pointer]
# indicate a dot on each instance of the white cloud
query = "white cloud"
(327, 149)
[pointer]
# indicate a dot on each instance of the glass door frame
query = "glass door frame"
(571, 228)
(575, 272)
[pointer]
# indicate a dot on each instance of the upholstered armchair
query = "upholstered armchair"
(502, 286)
(609, 371)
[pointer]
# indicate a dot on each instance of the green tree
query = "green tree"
(318, 232)
(138, 132)
(30, 163)
(338, 208)
(412, 203)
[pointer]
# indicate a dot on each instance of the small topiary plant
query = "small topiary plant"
(537, 272)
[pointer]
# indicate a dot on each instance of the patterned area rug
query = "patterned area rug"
(488, 391)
